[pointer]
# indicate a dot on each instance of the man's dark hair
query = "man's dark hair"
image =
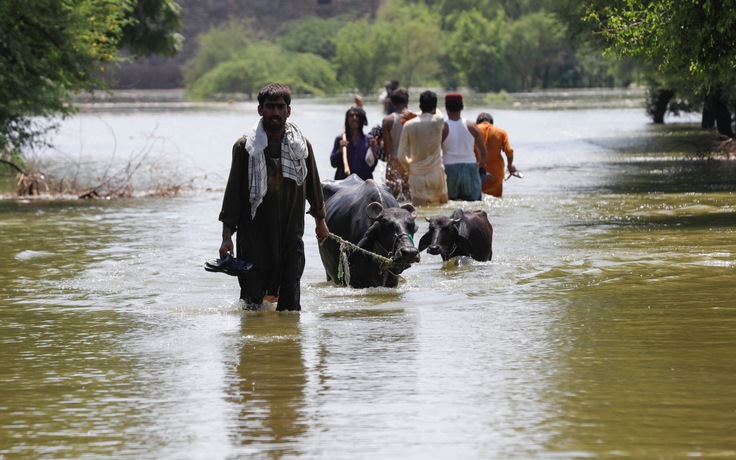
(274, 91)
(427, 101)
(400, 97)
(484, 116)
(454, 106)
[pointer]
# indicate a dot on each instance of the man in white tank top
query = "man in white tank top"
(460, 139)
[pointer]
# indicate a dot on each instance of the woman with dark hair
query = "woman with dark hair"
(355, 146)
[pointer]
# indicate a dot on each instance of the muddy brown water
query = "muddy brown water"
(604, 326)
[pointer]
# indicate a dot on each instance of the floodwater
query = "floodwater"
(604, 326)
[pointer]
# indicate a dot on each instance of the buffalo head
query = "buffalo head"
(444, 238)
(392, 234)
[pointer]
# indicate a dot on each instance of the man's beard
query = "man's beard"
(273, 124)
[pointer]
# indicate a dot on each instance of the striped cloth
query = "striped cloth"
(294, 152)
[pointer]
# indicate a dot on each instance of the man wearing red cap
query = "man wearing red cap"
(460, 139)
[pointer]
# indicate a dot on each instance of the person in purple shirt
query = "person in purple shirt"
(360, 154)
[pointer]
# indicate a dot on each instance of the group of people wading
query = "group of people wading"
(274, 174)
(430, 159)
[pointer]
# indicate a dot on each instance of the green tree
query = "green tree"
(536, 51)
(591, 69)
(450, 11)
(312, 35)
(516, 9)
(50, 49)
(691, 42)
(476, 48)
(260, 63)
(219, 44)
(361, 59)
(416, 47)
(152, 28)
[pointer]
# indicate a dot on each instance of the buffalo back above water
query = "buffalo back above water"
(366, 214)
(464, 233)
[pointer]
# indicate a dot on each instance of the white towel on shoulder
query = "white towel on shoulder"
(294, 153)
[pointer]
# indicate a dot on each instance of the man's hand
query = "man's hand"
(322, 231)
(227, 242)
(226, 247)
(407, 115)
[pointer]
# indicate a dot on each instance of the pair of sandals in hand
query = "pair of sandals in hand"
(229, 265)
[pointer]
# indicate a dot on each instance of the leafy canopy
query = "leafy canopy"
(485, 45)
(50, 49)
(691, 40)
(260, 63)
(416, 47)
(312, 35)
(216, 46)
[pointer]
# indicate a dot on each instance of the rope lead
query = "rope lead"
(343, 267)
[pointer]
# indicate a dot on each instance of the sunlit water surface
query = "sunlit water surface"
(604, 326)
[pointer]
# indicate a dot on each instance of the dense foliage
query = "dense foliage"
(692, 39)
(684, 48)
(232, 60)
(313, 35)
(485, 45)
(50, 49)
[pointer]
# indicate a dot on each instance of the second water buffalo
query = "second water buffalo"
(367, 215)
(464, 233)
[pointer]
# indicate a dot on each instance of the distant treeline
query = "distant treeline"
(484, 45)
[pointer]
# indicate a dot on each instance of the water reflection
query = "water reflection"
(365, 381)
(267, 385)
(301, 380)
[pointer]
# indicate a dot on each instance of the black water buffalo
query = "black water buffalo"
(366, 214)
(462, 234)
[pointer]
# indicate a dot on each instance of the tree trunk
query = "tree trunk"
(660, 99)
(722, 114)
(709, 118)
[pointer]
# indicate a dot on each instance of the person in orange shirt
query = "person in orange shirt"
(496, 140)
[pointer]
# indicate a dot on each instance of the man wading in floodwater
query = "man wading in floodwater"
(273, 174)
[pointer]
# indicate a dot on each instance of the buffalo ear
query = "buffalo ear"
(374, 210)
(409, 207)
(425, 241)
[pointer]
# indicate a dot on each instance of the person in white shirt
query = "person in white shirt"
(420, 153)
(460, 139)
